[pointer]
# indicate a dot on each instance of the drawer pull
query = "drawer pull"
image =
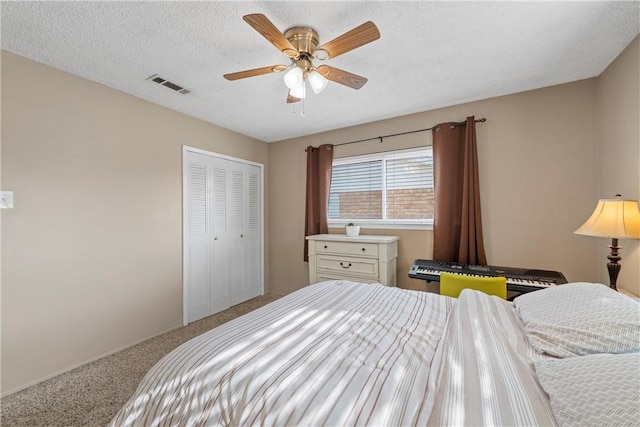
(342, 265)
(325, 246)
(363, 249)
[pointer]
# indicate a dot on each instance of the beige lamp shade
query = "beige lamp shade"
(615, 218)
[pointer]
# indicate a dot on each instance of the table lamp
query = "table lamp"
(615, 218)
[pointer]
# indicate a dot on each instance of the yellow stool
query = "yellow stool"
(452, 284)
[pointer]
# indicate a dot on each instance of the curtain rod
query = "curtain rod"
(482, 120)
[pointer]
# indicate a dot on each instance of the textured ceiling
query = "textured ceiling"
(430, 54)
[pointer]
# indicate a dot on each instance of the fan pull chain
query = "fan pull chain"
(302, 112)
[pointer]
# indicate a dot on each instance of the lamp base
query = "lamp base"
(612, 265)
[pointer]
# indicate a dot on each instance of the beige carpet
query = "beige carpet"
(92, 394)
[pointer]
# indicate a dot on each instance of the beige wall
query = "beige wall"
(538, 176)
(619, 154)
(91, 254)
(92, 251)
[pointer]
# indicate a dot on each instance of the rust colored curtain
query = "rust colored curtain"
(319, 161)
(457, 228)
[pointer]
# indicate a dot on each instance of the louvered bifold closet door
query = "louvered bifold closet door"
(244, 241)
(199, 241)
(221, 236)
(253, 253)
(223, 216)
(237, 249)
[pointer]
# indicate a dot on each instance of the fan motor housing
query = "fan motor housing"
(304, 39)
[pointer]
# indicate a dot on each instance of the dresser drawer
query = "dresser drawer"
(347, 248)
(334, 276)
(343, 265)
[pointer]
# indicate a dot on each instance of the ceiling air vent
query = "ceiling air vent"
(169, 85)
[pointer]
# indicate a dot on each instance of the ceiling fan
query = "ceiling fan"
(300, 44)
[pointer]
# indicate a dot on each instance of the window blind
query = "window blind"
(393, 186)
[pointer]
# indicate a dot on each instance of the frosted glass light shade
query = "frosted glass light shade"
(299, 91)
(615, 218)
(317, 81)
(293, 78)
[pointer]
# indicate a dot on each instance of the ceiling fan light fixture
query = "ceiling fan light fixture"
(299, 91)
(294, 78)
(317, 81)
(301, 45)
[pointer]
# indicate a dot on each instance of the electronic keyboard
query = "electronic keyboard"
(518, 279)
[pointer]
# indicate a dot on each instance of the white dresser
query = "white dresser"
(368, 259)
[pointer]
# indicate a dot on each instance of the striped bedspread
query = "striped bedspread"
(486, 374)
(334, 353)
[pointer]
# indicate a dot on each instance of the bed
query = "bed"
(342, 353)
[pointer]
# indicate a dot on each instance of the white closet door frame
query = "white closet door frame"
(185, 223)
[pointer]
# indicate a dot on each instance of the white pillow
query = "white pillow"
(580, 318)
(595, 390)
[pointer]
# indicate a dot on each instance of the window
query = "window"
(386, 188)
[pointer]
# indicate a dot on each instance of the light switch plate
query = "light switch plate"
(6, 199)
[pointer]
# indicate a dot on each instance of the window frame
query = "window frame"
(413, 224)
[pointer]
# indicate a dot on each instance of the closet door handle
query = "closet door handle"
(341, 265)
(242, 235)
(215, 238)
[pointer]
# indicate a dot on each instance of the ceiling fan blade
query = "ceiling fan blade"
(292, 99)
(261, 24)
(343, 77)
(255, 72)
(359, 36)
